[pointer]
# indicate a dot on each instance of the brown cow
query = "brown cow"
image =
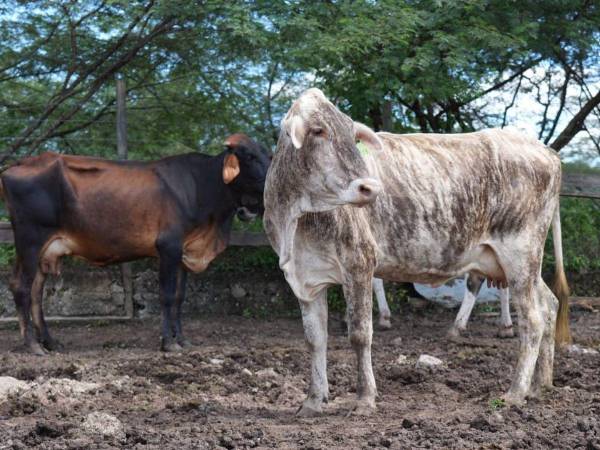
(178, 209)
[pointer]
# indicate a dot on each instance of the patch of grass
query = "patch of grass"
(486, 308)
(255, 225)
(497, 403)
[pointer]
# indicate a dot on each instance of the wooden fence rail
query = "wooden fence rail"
(585, 185)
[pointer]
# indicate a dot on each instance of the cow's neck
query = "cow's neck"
(214, 200)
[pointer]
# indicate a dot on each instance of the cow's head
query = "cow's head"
(323, 144)
(244, 170)
(318, 166)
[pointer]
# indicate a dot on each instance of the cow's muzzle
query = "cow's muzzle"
(245, 214)
(362, 191)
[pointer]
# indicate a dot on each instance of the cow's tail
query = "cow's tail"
(559, 284)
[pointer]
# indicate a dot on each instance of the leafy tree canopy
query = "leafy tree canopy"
(197, 70)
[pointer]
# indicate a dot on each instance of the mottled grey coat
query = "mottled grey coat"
(446, 205)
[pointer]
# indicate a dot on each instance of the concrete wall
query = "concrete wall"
(83, 290)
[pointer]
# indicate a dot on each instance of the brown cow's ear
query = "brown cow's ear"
(231, 168)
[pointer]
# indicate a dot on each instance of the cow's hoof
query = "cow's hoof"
(171, 347)
(506, 332)
(454, 332)
(309, 409)
(511, 399)
(384, 324)
(53, 345)
(35, 348)
(363, 408)
(185, 343)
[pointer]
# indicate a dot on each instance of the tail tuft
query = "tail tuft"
(561, 290)
(560, 286)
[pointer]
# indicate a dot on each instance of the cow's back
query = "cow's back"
(98, 209)
(445, 194)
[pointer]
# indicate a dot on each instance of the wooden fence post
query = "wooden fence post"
(122, 154)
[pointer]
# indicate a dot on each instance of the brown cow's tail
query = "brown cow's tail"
(559, 285)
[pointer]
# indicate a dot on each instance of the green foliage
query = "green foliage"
(580, 222)
(335, 299)
(395, 297)
(254, 226)
(7, 254)
(235, 259)
(221, 67)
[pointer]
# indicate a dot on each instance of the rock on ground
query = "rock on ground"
(104, 424)
(10, 385)
(428, 362)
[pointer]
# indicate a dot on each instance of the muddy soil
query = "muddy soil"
(242, 383)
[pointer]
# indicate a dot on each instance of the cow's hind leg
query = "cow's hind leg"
(37, 313)
(21, 285)
(359, 299)
(179, 298)
(314, 319)
(506, 325)
(384, 310)
(525, 296)
(545, 364)
(472, 286)
(169, 251)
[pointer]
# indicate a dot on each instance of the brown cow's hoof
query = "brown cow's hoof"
(35, 348)
(506, 332)
(171, 347)
(53, 345)
(185, 343)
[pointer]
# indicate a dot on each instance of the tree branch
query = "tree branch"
(576, 124)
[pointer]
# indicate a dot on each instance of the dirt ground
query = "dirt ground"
(242, 383)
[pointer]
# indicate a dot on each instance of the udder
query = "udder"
(56, 248)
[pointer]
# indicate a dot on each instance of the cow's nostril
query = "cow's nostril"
(365, 190)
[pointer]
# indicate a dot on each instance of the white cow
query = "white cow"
(473, 285)
(446, 205)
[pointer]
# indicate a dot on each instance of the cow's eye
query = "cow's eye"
(318, 131)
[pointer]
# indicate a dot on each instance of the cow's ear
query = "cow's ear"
(367, 136)
(231, 168)
(296, 129)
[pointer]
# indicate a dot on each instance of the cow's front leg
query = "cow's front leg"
(179, 298)
(170, 252)
(314, 319)
(359, 299)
